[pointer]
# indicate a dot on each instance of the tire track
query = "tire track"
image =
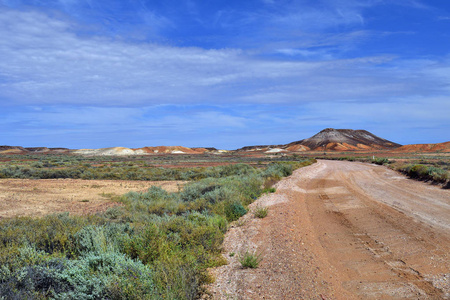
(388, 248)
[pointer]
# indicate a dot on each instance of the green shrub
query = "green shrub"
(418, 171)
(234, 210)
(92, 276)
(250, 260)
(380, 161)
(279, 170)
(438, 175)
(261, 212)
(269, 190)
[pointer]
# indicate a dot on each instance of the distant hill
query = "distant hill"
(31, 150)
(144, 150)
(344, 140)
(440, 147)
(110, 151)
(12, 150)
(331, 139)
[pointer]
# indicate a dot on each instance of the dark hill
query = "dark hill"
(345, 139)
(334, 140)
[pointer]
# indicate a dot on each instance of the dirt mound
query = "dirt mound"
(440, 147)
(106, 151)
(141, 151)
(12, 150)
(261, 148)
(275, 150)
(205, 149)
(31, 150)
(171, 149)
(59, 150)
(2, 148)
(38, 149)
(297, 148)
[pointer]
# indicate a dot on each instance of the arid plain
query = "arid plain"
(359, 218)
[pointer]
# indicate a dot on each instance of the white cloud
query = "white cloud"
(45, 62)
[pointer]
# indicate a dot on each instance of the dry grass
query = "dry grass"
(28, 197)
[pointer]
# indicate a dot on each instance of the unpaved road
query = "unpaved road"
(343, 230)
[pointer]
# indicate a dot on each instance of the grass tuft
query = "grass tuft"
(250, 260)
(261, 212)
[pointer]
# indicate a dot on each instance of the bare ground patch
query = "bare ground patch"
(39, 197)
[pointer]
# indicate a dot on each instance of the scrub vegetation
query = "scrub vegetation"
(150, 167)
(157, 245)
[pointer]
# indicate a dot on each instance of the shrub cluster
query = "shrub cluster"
(380, 161)
(157, 245)
(427, 173)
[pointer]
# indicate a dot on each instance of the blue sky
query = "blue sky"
(102, 73)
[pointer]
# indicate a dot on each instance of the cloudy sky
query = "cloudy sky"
(222, 73)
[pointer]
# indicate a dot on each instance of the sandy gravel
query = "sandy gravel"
(342, 230)
(38, 197)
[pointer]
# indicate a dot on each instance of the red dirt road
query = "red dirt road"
(343, 230)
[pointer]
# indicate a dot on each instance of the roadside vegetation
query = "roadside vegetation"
(426, 173)
(156, 245)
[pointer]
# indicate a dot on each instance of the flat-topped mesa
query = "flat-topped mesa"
(5, 147)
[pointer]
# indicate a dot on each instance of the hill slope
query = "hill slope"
(440, 147)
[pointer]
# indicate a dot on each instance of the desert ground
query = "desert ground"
(39, 197)
(335, 229)
(342, 230)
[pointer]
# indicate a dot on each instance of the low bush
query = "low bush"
(250, 260)
(261, 212)
(380, 161)
(234, 210)
(269, 190)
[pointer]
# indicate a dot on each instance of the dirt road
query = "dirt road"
(343, 230)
